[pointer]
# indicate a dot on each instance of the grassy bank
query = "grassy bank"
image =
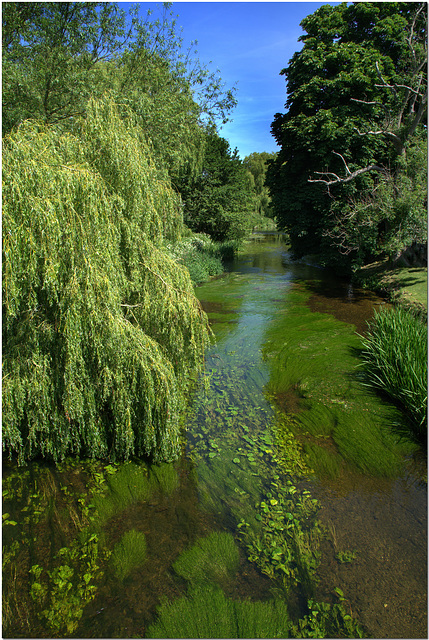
(202, 256)
(406, 286)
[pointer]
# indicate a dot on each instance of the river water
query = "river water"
(280, 371)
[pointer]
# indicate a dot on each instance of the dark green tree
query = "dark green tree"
(356, 99)
(221, 200)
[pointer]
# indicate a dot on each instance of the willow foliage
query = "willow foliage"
(101, 327)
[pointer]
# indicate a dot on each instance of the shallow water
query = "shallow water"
(224, 472)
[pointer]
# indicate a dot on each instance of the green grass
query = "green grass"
(209, 614)
(129, 553)
(395, 361)
(213, 559)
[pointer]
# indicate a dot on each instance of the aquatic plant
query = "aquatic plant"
(326, 620)
(61, 593)
(211, 559)
(165, 475)
(395, 361)
(127, 485)
(207, 613)
(286, 546)
(129, 553)
(101, 328)
(347, 556)
(313, 357)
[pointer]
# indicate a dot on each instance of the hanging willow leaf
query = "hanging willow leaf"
(101, 327)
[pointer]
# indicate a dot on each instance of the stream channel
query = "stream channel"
(283, 448)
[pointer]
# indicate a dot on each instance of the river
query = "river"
(280, 413)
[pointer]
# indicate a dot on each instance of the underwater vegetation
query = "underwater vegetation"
(211, 559)
(312, 358)
(208, 613)
(395, 361)
(129, 553)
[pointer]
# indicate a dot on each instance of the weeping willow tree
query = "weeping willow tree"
(100, 327)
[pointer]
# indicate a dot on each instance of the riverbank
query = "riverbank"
(406, 286)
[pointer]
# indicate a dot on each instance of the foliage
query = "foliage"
(209, 614)
(70, 585)
(100, 327)
(257, 165)
(129, 553)
(213, 559)
(59, 55)
(200, 255)
(395, 361)
(220, 201)
(328, 621)
(346, 88)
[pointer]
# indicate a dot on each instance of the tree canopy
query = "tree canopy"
(357, 96)
(221, 200)
(101, 328)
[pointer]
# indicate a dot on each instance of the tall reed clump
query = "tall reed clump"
(395, 361)
(100, 326)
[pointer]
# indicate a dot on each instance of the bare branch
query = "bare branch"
(350, 175)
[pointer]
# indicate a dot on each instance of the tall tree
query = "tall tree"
(221, 200)
(100, 327)
(257, 165)
(356, 100)
(57, 55)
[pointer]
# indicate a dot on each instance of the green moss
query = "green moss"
(211, 559)
(129, 553)
(209, 614)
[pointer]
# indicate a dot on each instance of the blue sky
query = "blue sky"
(250, 43)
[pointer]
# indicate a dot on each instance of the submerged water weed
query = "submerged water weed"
(344, 557)
(211, 559)
(60, 594)
(314, 356)
(129, 553)
(395, 361)
(207, 613)
(165, 475)
(286, 548)
(327, 621)
(129, 484)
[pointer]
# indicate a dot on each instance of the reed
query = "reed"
(395, 361)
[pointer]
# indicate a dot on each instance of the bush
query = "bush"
(395, 361)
